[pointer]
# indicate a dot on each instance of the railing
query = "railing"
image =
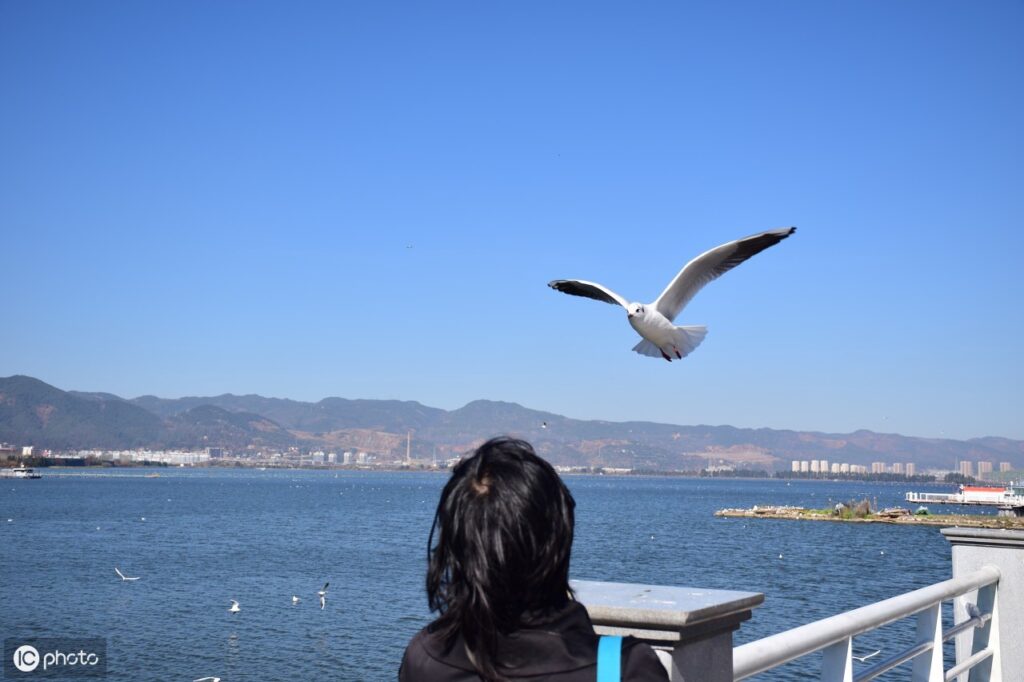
(692, 629)
(834, 635)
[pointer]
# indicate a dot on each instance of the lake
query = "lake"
(199, 538)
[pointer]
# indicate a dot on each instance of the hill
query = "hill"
(35, 413)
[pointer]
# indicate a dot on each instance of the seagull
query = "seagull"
(864, 658)
(323, 596)
(124, 578)
(295, 600)
(234, 607)
(210, 678)
(653, 321)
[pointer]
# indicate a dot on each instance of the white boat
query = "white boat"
(21, 472)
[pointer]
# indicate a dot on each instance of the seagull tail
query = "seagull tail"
(686, 340)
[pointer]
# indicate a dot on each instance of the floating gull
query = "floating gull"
(323, 596)
(864, 658)
(124, 578)
(211, 678)
(653, 321)
(234, 607)
(295, 600)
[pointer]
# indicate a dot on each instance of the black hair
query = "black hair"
(504, 535)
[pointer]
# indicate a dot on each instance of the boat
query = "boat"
(21, 472)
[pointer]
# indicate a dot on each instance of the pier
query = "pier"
(1008, 499)
(691, 629)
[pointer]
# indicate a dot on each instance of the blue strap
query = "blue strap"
(609, 659)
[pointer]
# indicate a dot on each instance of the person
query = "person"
(498, 576)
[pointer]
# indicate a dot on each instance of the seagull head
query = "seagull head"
(634, 309)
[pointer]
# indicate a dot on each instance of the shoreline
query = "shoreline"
(945, 520)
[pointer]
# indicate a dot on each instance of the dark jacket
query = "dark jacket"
(562, 648)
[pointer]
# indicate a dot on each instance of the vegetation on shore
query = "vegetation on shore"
(863, 512)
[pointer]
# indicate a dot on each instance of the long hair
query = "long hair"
(504, 529)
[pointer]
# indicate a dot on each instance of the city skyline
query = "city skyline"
(368, 201)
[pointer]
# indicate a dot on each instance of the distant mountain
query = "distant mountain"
(35, 413)
(208, 425)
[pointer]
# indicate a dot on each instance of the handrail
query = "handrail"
(763, 654)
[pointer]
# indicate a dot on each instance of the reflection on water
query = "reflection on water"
(210, 536)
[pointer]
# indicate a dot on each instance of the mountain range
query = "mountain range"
(35, 413)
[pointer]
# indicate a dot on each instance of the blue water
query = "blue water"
(209, 536)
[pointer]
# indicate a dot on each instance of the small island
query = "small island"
(861, 512)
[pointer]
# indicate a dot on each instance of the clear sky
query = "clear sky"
(367, 199)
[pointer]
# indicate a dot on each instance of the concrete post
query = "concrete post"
(974, 548)
(692, 628)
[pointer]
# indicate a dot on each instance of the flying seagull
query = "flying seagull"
(864, 658)
(653, 321)
(123, 577)
(323, 596)
(234, 607)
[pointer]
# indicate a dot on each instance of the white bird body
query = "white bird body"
(123, 577)
(323, 596)
(295, 600)
(864, 658)
(654, 321)
(235, 608)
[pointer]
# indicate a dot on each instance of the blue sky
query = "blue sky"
(305, 199)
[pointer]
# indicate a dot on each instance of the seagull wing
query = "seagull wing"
(325, 586)
(712, 264)
(119, 573)
(578, 287)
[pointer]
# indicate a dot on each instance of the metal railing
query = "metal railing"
(834, 636)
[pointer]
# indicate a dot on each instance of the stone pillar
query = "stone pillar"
(692, 628)
(974, 548)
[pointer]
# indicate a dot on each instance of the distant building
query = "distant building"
(911, 469)
(346, 457)
(1005, 466)
(805, 466)
(332, 457)
(967, 469)
(796, 466)
(897, 467)
(984, 468)
(878, 467)
(814, 466)
(215, 453)
(844, 468)
(823, 466)
(361, 458)
(836, 467)
(26, 451)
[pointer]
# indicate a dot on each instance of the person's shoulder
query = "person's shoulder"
(640, 663)
(416, 662)
(426, 658)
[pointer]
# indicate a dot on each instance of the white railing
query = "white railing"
(834, 636)
(692, 629)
